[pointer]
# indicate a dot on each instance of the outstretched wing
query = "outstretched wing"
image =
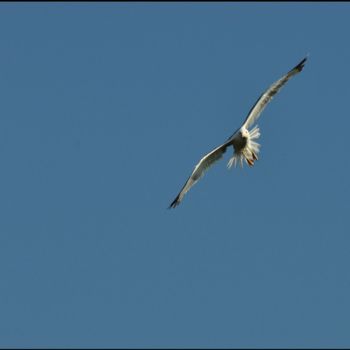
(204, 164)
(266, 97)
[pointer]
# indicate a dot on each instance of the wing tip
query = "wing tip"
(299, 67)
(174, 203)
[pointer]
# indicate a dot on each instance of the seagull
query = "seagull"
(243, 141)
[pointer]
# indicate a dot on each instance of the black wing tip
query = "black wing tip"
(174, 203)
(299, 67)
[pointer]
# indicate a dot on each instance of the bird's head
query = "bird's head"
(244, 133)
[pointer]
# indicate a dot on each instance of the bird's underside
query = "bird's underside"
(243, 141)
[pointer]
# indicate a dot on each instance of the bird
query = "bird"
(243, 140)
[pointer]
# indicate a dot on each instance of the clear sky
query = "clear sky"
(105, 110)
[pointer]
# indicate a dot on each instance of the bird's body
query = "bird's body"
(243, 141)
(239, 141)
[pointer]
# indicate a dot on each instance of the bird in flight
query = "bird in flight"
(243, 141)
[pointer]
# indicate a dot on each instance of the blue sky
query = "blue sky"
(105, 110)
